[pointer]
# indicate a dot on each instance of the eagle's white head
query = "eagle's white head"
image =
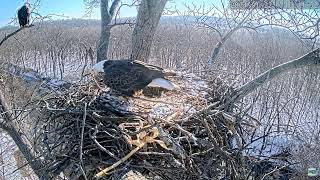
(98, 67)
(27, 4)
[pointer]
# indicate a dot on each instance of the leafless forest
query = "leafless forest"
(284, 112)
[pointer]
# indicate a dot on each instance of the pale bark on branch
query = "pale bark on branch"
(215, 51)
(312, 58)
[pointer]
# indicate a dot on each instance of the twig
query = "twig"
(101, 147)
(155, 101)
(83, 172)
(82, 134)
(104, 172)
(273, 171)
(190, 135)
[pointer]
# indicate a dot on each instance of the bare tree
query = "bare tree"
(108, 12)
(226, 21)
(276, 95)
(312, 58)
(148, 18)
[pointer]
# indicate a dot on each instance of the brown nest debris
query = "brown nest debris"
(88, 132)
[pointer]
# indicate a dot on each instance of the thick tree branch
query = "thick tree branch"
(14, 80)
(114, 8)
(312, 58)
(13, 33)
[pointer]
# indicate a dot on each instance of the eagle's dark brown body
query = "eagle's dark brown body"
(24, 15)
(128, 76)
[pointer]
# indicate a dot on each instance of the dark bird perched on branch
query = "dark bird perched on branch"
(24, 15)
(129, 76)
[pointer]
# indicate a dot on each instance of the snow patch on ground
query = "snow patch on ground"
(160, 110)
(7, 161)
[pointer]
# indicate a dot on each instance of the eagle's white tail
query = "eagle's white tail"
(160, 82)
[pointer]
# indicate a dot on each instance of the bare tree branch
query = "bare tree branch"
(13, 33)
(217, 48)
(312, 58)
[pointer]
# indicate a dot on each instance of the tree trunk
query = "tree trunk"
(148, 19)
(312, 58)
(106, 17)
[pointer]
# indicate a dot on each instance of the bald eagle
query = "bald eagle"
(24, 15)
(129, 76)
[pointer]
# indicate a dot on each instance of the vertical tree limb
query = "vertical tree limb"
(148, 19)
(106, 17)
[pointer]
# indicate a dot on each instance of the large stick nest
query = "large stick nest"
(183, 134)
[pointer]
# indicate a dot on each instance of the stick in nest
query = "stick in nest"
(143, 138)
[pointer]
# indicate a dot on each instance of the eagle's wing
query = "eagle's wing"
(20, 17)
(154, 76)
(149, 66)
(155, 68)
(163, 83)
(125, 77)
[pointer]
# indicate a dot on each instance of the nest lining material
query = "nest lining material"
(177, 135)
